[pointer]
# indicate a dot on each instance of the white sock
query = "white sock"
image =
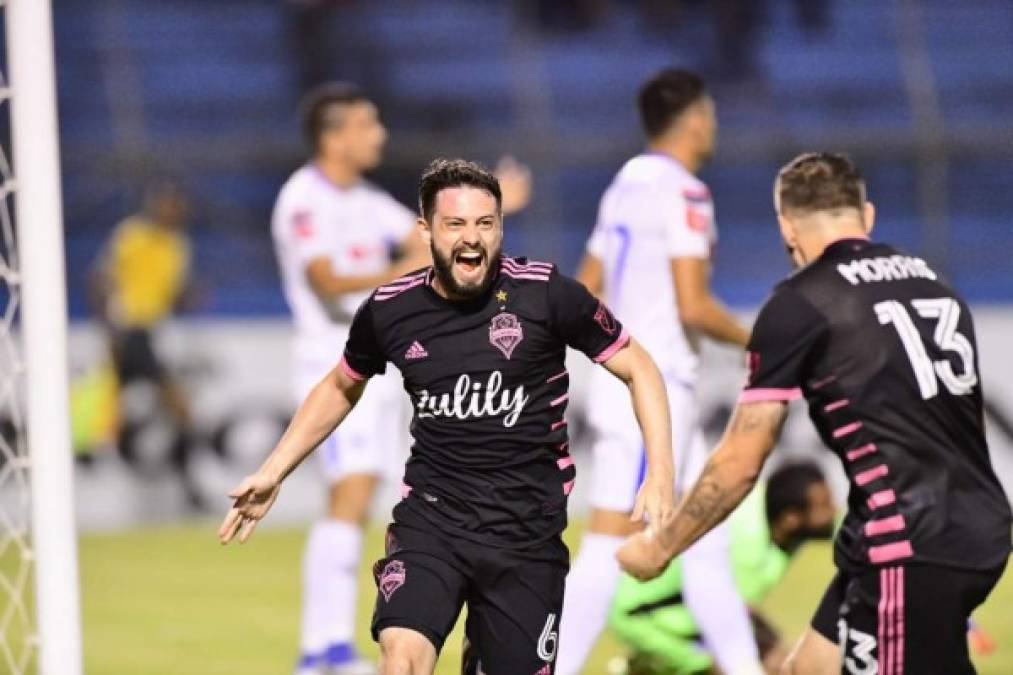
(710, 593)
(590, 586)
(330, 567)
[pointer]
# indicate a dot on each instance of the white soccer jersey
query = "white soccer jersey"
(653, 211)
(356, 227)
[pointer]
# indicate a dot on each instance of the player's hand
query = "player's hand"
(643, 555)
(254, 497)
(514, 183)
(981, 642)
(656, 500)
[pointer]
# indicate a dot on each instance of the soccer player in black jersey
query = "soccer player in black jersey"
(885, 355)
(480, 338)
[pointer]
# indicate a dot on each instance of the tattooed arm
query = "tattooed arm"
(727, 478)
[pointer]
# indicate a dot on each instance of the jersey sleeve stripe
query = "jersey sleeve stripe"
(830, 407)
(885, 525)
(858, 453)
(351, 372)
(556, 376)
(847, 429)
(866, 477)
(890, 552)
(882, 498)
(769, 394)
(530, 264)
(564, 462)
(402, 281)
(568, 486)
(386, 293)
(610, 351)
(530, 277)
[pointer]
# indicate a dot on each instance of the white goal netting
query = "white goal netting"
(17, 632)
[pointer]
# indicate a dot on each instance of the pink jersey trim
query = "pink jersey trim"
(563, 446)
(890, 552)
(885, 525)
(556, 376)
(847, 429)
(858, 453)
(610, 351)
(564, 462)
(405, 490)
(568, 486)
(529, 277)
(884, 581)
(769, 394)
(900, 621)
(557, 425)
(351, 372)
(556, 401)
(822, 382)
(881, 498)
(866, 477)
(388, 292)
(830, 407)
(531, 263)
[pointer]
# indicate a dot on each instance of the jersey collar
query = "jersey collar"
(849, 243)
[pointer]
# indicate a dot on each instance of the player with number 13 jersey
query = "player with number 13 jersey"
(884, 354)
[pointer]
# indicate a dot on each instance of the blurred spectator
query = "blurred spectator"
(138, 282)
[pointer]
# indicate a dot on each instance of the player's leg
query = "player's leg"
(514, 606)
(817, 652)
(814, 654)
(420, 594)
(619, 465)
(351, 460)
(404, 651)
(926, 615)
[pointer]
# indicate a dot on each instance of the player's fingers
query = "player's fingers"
(249, 525)
(229, 526)
(638, 511)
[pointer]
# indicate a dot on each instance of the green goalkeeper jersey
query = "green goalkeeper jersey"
(651, 616)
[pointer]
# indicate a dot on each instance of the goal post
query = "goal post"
(43, 324)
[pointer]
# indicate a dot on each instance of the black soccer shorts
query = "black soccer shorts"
(514, 597)
(903, 618)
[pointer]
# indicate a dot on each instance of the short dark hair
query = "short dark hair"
(820, 181)
(444, 173)
(665, 96)
(788, 486)
(317, 105)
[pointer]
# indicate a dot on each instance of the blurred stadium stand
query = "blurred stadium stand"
(918, 92)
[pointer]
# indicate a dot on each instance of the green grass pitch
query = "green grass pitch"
(172, 600)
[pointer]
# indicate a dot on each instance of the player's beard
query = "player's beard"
(443, 267)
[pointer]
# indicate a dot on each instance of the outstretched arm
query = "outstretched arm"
(634, 366)
(321, 412)
(727, 478)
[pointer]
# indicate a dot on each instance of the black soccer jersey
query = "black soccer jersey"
(886, 358)
(489, 387)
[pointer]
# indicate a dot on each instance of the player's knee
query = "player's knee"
(788, 666)
(350, 498)
(405, 652)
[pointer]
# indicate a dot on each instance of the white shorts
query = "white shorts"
(619, 460)
(373, 439)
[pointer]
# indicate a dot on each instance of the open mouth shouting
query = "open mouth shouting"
(469, 266)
